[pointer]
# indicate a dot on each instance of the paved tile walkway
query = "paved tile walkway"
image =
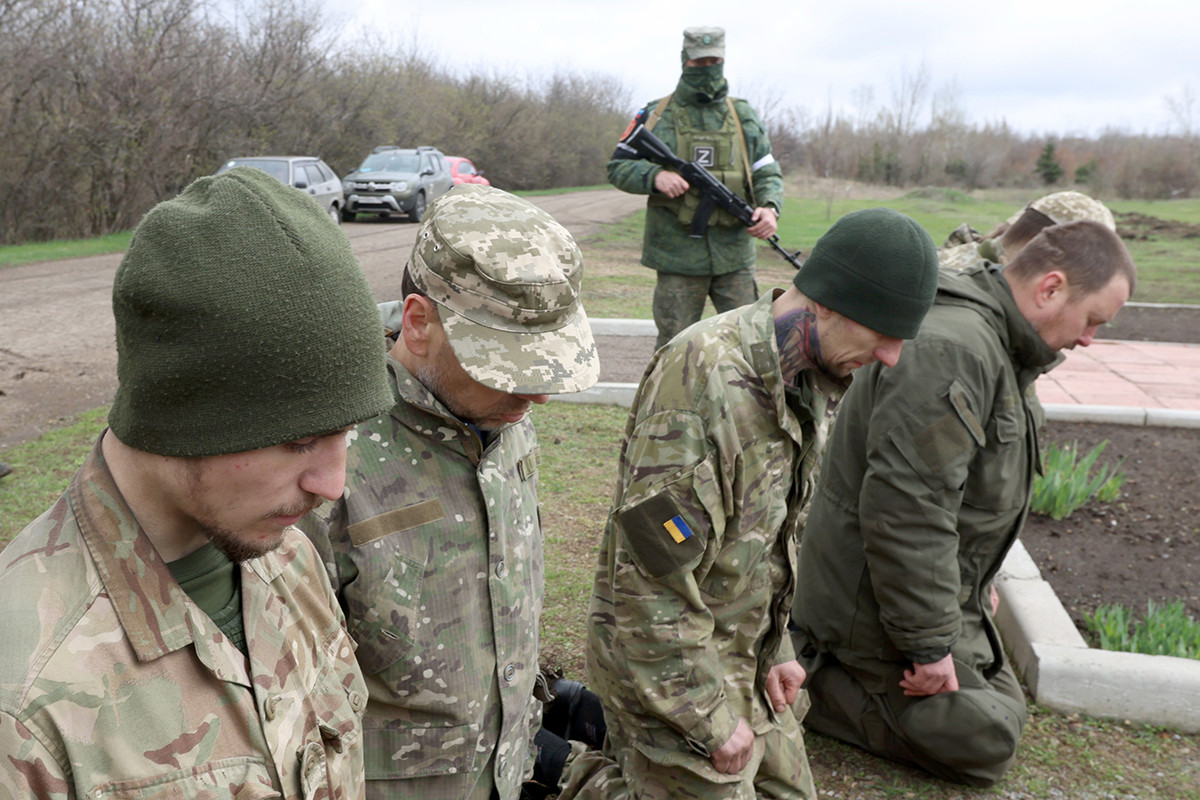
(1141, 374)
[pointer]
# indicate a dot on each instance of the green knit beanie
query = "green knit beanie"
(876, 267)
(243, 322)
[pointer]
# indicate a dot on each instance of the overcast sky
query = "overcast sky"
(1048, 66)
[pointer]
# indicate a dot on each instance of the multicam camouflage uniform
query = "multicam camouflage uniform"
(436, 552)
(685, 628)
(113, 683)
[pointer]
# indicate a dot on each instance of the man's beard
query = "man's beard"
(431, 379)
(238, 550)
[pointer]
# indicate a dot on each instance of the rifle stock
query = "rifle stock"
(713, 193)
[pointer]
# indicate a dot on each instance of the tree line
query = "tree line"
(110, 106)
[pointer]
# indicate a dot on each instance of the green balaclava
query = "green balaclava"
(703, 85)
(877, 267)
(243, 322)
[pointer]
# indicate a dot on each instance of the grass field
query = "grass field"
(1060, 756)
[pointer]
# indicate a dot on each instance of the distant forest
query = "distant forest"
(110, 106)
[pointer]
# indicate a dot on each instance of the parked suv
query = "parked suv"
(309, 174)
(396, 181)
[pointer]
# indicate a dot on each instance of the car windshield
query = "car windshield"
(391, 162)
(276, 169)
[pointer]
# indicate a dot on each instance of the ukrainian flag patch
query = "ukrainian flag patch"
(678, 529)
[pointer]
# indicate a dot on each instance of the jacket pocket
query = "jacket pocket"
(418, 752)
(383, 602)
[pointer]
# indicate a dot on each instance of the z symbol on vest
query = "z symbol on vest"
(705, 155)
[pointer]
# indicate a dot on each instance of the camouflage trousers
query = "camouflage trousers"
(634, 769)
(969, 736)
(679, 299)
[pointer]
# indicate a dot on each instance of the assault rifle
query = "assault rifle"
(713, 193)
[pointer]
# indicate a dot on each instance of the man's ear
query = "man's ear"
(1052, 288)
(416, 318)
(822, 311)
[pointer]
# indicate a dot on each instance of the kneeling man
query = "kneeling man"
(924, 487)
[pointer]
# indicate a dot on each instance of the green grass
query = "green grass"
(1060, 756)
(42, 469)
(14, 254)
(1067, 481)
(1167, 267)
(560, 190)
(1166, 630)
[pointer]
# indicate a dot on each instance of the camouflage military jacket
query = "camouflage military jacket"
(924, 487)
(435, 550)
(964, 256)
(114, 684)
(696, 567)
(666, 246)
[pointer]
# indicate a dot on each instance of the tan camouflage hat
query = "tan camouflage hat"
(704, 42)
(1070, 207)
(506, 277)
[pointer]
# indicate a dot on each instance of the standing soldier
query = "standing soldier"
(167, 632)
(701, 123)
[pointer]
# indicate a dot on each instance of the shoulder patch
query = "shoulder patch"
(659, 536)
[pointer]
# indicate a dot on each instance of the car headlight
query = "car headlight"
(398, 186)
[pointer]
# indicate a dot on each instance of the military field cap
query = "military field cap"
(1070, 207)
(243, 321)
(506, 278)
(877, 267)
(704, 42)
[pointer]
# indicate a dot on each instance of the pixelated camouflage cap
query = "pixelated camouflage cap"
(704, 42)
(506, 277)
(1070, 207)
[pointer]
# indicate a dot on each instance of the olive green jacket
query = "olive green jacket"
(666, 246)
(924, 487)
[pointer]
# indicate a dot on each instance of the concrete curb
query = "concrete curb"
(1066, 675)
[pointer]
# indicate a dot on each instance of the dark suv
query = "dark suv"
(396, 181)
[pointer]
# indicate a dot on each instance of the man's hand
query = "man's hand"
(735, 754)
(765, 222)
(783, 684)
(995, 601)
(670, 183)
(929, 679)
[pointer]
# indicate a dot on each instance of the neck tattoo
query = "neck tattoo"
(799, 345)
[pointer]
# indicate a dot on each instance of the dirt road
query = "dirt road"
(57, 351)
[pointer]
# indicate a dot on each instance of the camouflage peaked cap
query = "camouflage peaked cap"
(704, 42)
(1071, 207)
(506, 276)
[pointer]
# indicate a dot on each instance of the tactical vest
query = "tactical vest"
(721, 152)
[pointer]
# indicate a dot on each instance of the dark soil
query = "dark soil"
(1146, 545)
(1142, 324)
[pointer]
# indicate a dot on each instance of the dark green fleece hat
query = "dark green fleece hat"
(876, 267)
(243, 321)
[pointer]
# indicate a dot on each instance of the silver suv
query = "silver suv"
(396, 181)
(309, 174)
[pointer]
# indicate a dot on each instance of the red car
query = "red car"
(463, 171)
